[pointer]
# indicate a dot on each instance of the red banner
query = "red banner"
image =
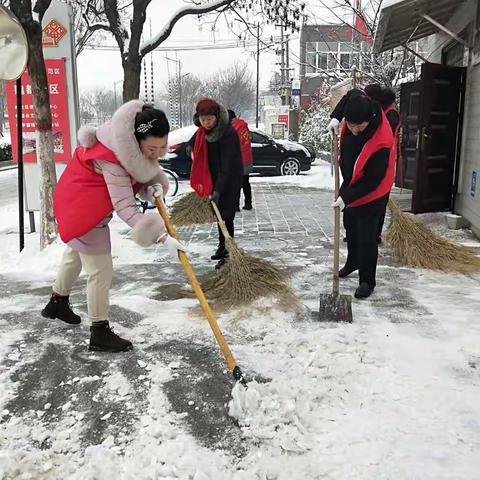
(57, 83)
(283, 118)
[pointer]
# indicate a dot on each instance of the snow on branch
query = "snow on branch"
(154, 42)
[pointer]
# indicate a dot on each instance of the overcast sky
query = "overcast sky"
(97, 68)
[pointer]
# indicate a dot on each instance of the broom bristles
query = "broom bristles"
(191, 209)
(416, 245)
(245, 278)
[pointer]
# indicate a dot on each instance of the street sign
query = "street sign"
(283, 118)
(278, 130)
(62, 78)
(57, 84)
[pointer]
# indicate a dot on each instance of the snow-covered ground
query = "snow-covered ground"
(319, 176)
(5, 138)
(392, 396)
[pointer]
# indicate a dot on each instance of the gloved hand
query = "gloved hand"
(173, 245)
(333, 127)
(339, 203)
(154, 191)
(215, 197)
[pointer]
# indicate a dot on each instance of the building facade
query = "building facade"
(327, 54)
(452, 28)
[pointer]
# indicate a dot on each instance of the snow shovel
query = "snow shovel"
(333, 306)
(231, 363)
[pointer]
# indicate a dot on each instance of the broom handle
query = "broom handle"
(231, 363)
(336, 240)
(223, 227)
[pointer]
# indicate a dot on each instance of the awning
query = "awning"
(403, 21)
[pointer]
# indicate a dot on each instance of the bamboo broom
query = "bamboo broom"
(416, 245)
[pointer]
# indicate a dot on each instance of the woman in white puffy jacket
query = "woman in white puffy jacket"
(113, 163)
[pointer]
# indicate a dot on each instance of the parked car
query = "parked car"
(270, 156)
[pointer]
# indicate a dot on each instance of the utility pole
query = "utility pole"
(115, 92)
(180, 116)
(258, 75)
(152, 86)
(177, 111)
(288, 100)
(282, 66)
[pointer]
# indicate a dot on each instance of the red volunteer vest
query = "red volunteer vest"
(382, 138)
(81, 200)
(395, 147)
(241, 127)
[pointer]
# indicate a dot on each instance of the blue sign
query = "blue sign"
(473, 187)
(296, 92)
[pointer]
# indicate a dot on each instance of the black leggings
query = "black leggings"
(231, 230)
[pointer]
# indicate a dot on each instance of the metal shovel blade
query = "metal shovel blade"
(335, 308)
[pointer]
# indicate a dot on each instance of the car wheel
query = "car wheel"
(290, 166)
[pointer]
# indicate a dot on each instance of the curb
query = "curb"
(7, 167)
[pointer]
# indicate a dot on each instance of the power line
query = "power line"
(194, 47)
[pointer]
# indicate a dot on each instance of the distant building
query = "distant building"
(327, 53)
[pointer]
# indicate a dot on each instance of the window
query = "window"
(311, 62)
(453, 54)
(257, 138)
(322, 61)
(345, 60)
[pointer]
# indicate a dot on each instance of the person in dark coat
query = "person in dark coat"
(368, 168)
(224, 164)
(386, 98)
(247, 166)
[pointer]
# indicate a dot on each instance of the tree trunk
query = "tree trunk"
(132, 69)
(45, 153)
(43, 120)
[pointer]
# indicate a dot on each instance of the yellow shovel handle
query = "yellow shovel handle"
(231, 363)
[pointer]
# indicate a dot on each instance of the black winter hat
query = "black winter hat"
(359, 109)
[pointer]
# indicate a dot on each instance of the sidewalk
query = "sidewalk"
(392, 396)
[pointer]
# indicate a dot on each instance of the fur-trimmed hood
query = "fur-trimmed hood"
(118, 135)
(218, 131)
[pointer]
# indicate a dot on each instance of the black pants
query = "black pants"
(247, 189)
(231, 230)
(362, 233)
(381, 223)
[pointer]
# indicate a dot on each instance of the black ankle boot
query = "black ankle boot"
(103, 339)
(247, 206)
(364, 290)
(219, 254)
(59, 307)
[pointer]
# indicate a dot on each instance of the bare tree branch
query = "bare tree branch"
(41, 7)
(167, 30)
(118, 30)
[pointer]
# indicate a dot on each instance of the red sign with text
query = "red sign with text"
(57, 84)
(283, 118)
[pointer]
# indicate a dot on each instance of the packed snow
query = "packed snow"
(319, 176)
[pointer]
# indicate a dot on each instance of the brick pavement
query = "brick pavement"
(279, 210)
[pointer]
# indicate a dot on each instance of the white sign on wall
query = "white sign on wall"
(59, 42)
